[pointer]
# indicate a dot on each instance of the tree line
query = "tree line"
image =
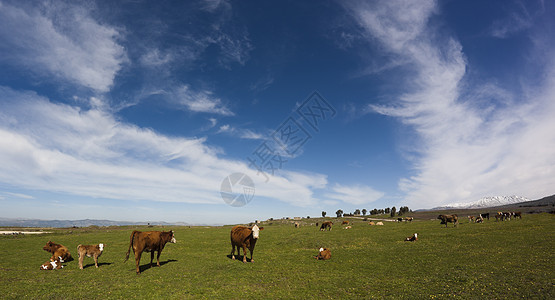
(382, 211)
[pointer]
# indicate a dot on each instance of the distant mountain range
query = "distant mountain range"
(77, 223)
(485, 202)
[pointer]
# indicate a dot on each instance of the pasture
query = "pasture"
(492, 260)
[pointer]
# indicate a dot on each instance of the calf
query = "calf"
(244, 237)
(148, 241)
(326, 225)
(93, 251)
(412, 238)
(57, 250)
(53, 264)
(449, 219)
(323, 254)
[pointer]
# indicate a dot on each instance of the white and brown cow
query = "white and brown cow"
(57, 250)
(55, 264)
(93, 251)
(244, 237)
(323, 254)
(148, 241)
(412, 238)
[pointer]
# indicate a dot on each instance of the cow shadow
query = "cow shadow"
(100, 264)
(238, 258)
(147, 265)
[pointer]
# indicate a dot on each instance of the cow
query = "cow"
(412, 238)
(371, 223)
(244, 237)
(348, 227)
(507, 215)
(57, 250)
(517, 214)
(409, 219)
(326, 225)
(297, 225)
(485, 216)
(449, 219)
(93, 251)
(323, 254)
(379, 224)
(148, 241)
(345, 223)
(499, 216)
(399, 219)
(53, 264)
(470, 219)
(479, 219)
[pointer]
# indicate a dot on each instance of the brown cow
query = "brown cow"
(148, 241)
(326, 224)
(244, 237)
(371, 223)
(57, 250)
(409, 219)
(93, 251)
(53, 264)
(517, 214)
(449, 219)
(323, 254)
(345, 222)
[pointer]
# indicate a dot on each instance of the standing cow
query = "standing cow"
(449, 219)
(244, 237)
(326, 225)
(148, 241)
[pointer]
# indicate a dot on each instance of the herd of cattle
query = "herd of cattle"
(241, 238)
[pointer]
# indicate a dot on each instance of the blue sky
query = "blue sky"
(138, 110)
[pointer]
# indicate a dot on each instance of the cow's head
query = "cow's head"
(101, 247)
(256, 231)
(173, 240)
(48, 246)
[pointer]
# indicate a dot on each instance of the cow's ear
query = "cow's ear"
(261, 228)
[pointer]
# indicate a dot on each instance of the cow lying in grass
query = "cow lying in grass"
(57, 250)
(53, 264)
(244, 237)
(323, 254)
(449, 219)
(412, 238)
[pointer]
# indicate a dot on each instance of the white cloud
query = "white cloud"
(200, 101)
(240, 133)
(354, 194)
(61, 41)
(64, 149)
(472, 140)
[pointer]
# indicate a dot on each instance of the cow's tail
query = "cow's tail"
(130, 245)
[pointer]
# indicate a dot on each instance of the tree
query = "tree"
(323, 214)
(357, 212)
(393, 209)
(364, 211)
(339, 213)
(387, 210)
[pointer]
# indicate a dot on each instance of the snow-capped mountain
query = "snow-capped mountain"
(486, 202)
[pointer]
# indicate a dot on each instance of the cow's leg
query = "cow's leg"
(245, 253)
(151, 257)
(158, 258)
(137, 260)
(252, 259)
(81, 261)
(233, 251)
(96, 261)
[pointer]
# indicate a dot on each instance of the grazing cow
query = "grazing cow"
(499, 216)
(297, 225)
(57, 250)
(449, 219)
(507, 216)
(485, 216)
(379, 223)
(148, 241)
(344, 222)
(470, 219)
(53, 264)
(371, 223)
(517, 214)
(323, 254)
(326, 225)
(348, 227)
(412, 238)
(409, 219)
(479, 219)
(244, 237)
(93, 251)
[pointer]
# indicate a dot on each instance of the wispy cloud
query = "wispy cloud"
(240, 132)
(200, 101)
(473, 140)
(62, 41)
(354, 194)
(88, 152)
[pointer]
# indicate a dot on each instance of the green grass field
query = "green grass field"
(493, 260)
